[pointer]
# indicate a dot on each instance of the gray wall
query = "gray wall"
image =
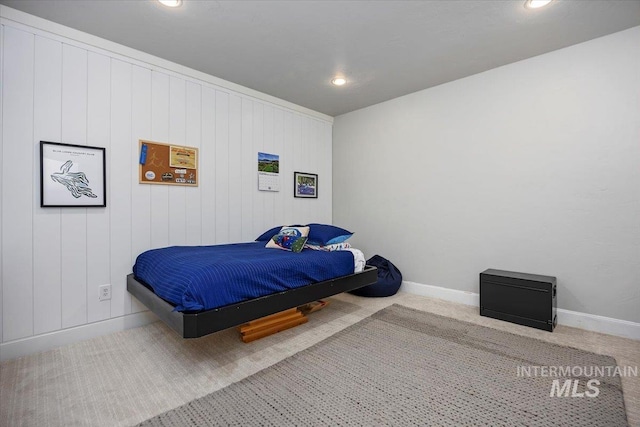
(533, 167)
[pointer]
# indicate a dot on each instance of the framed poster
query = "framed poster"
(305, 185)
(72, 175)
(167, 164)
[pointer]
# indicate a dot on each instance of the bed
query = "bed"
(199, 290)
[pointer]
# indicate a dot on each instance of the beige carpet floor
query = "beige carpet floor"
(130, 376)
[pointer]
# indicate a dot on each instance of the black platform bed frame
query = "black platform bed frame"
(201, 323)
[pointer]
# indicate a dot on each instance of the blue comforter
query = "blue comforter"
(196, 278)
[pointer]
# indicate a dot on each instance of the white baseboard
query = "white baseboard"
(575, 319)
(39, 343)
(453, 295)
(605, 325)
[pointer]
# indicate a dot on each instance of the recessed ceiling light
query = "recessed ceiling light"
(339, 81)
(171, 3)
(535, 4)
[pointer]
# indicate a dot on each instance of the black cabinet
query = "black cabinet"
(526, 299)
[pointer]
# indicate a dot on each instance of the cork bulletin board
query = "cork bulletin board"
(167, 164)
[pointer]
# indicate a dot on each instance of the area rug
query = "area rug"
(406, 367)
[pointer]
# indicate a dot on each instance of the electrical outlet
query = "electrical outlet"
(104, 292)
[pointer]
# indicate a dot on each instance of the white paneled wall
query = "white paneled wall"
(18, 201)
(1, 182)
(54, 259)
(47, 111)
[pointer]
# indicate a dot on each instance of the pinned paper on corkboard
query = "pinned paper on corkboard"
(167, 164)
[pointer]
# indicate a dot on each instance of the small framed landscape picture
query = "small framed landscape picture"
(72, 175)
(305, 185)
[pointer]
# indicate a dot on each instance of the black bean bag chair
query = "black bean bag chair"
(389, 279)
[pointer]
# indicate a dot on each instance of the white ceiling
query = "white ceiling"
(292, 49)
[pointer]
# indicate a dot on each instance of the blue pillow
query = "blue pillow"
(324, 234)
(267, 235)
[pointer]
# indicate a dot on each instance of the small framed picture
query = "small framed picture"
(72, 175)
(305, 185)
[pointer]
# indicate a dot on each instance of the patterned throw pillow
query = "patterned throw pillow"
(267, 235)
(290, 239)
(329, 248)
